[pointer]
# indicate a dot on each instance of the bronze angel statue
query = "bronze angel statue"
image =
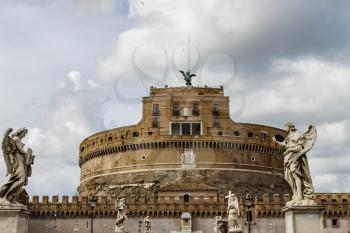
(18, 163)
(296, 167)
(187, 76)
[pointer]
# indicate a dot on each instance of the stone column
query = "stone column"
(14, 219)
(304, 219)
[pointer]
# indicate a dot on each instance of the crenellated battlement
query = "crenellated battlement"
(265, 206)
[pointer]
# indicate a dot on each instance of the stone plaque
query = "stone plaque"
(188, 159)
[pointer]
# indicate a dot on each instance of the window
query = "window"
(185, 128)
(335, 223)
(216, 109)
(150, 133)
(176, 109)
(110, 139)
(82, 149)
(186, 198)
(220, 133)
(216, 122)
(135, 134)
(155, 122)
(175, 129)
(155, 110)
(263, 135)
(250, 135)
(236, 133)
(196, 128)
(195, 109)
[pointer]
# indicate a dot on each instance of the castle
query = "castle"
(184, 155)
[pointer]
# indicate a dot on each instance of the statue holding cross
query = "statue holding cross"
(233, 213)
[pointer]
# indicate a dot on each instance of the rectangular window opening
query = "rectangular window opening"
(185, 128)
(176, 109)
(155, 109)
(196, 128)
(175, 129)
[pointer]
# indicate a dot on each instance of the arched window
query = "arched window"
(186, 198)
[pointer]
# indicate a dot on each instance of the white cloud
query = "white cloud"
(93, 84)
(335, 133)
(307, 86)
(75, 78)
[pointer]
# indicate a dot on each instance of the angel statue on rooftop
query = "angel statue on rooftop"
(296, 168)
(18, 163)
(187, 76)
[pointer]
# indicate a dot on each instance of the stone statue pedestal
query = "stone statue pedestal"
(14, 219)
(237, 230)
(304, 219)
(119, 229)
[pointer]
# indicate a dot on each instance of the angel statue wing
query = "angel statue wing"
(7, 150)
(308, 140)
(183, 73)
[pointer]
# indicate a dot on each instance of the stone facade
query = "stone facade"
(185, 135)
(67, 214)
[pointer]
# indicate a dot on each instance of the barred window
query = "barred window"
(155, 109)
(195, 109)
(216, 109)
(176, 109)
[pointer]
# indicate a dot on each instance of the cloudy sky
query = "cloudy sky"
(68, 67)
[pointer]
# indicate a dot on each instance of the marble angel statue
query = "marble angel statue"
(121, 215)
(219, 225)
(296, 168)
(233, 213)
(18, 163)
(147, 221)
